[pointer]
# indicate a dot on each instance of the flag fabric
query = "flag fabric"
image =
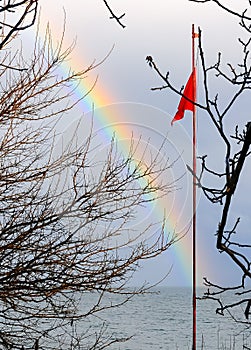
(189, 93)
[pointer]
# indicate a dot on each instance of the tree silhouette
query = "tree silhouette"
(236, 151)
(65, 215)
(113, 15)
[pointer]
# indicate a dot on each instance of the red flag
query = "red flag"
(190, 93)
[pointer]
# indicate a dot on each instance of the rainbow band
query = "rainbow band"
(98, 98)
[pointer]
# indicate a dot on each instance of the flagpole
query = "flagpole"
(194, 198)
(187, 103)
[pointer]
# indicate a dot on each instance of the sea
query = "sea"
(163, 320)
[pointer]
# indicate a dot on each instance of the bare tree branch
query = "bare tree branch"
(66, 214)
(113, 16)
(21, 23)
(236, 152)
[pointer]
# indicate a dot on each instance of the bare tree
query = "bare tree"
(118, 18)
(16, 16)
(236, 150)
(65, 216)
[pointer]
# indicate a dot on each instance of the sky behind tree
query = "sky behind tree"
(124, 103)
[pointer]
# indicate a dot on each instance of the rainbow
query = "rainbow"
(100, 100)
(102, 106)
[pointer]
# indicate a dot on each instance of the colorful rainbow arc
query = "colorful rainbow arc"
(96, 100)
(99, 97)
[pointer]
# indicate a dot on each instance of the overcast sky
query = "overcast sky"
(161, 29)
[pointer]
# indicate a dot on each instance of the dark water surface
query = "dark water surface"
(164, 321)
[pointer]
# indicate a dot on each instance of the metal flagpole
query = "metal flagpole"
(194, 35)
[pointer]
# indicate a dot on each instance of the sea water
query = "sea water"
(163, 320)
